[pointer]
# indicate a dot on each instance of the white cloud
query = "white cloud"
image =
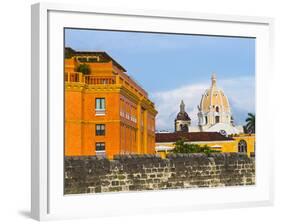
(167, 103)
(240, 91)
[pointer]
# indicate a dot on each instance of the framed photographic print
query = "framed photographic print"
(148, 111)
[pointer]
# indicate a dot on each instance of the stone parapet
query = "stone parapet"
(90, 174)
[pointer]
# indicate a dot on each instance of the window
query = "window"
(100, 129)
(100, 106)
(100, 146)
(184, 127)
(242, 146)
(217, 119)
(217, 109)
(206, 120)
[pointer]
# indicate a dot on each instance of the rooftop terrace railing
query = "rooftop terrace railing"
(93, 80)
(78, 77)
(88, 79)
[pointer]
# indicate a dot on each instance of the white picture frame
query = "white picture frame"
(48, 201)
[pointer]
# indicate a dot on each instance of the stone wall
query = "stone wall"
(149, 172)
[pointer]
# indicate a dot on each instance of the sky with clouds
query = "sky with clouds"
(172, 67)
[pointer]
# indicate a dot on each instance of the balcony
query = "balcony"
(78, 77)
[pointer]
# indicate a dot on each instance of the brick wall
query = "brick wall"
(149, 172)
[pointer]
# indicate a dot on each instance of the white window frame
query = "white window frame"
(100, 111)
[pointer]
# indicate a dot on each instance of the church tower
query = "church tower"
(182, 121)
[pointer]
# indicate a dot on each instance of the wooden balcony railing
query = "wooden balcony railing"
(88, 79)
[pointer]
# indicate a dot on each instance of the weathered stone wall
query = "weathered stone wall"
(147, 172)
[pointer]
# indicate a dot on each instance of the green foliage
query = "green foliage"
(68, 53)
(251, 124)
(84, 69)
(182, 147)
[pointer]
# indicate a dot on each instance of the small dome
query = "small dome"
(214, 99)
(182, 115)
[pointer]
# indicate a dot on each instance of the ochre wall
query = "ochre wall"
(73, 125)
(249, 138)
(227, 146)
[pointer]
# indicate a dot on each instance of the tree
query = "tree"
(250, 125)
(84, 69)
(182, 147)
(68, 52)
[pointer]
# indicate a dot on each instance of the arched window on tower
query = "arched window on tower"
(181, 127)
(217, 109)
(217, 119)
(242, 146)
(185, 127)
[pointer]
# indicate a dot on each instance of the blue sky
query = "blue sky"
(174, 67)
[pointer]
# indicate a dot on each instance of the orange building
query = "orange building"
(106, 111)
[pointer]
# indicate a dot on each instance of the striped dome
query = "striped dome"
(214, 99)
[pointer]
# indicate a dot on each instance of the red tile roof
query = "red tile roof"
(191, 136)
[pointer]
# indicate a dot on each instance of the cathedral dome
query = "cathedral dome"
(214, 99)
(214, 112)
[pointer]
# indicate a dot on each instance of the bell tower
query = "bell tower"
(182, 121)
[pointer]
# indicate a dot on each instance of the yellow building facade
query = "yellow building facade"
(244, 143)
(106, 111)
